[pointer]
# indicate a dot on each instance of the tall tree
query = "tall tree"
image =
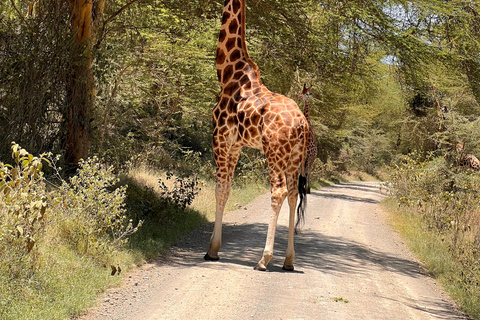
(85, 17)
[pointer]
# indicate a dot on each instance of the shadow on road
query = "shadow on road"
(343, 197)
(357, 186)
(370, 193)
(243, 245)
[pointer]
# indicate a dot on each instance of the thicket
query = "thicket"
(435, 183)
(448, 199)
(85, 213)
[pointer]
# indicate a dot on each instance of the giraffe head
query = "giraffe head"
(306, 92)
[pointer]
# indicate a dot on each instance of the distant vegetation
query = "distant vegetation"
(396, 91)
(447, 198)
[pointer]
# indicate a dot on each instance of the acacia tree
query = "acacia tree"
(49, 87)
(144, 72)
(88, 27)
(85, 17)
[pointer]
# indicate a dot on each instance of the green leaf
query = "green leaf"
(25, 163)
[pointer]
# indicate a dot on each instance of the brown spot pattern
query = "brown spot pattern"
(248, 114)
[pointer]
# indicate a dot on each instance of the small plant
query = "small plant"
(183, 192)
(23, 202)
(339, 299)
(96, 209)
(88, 210)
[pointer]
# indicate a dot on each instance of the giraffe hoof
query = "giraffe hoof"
(260, 267)
(211, 258)
(288, 268)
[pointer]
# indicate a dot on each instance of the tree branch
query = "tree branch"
(19, 13)
(111, 18)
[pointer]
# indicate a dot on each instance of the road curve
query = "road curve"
(349, 265)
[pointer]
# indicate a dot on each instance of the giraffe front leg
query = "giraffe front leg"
(225, 171)
(221, 196)
(222, 192)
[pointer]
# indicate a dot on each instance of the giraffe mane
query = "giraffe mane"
(244, 43)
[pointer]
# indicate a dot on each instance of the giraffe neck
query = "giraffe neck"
(306, 111)
(232, 58)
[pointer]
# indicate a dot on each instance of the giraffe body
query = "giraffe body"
(470, 161)
(463, 159)
(249, 115)
(466, 160)
(312, 141)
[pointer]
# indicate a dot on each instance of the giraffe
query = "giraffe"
(463, 159)
(470, 161)
(249, 115)
(466, 160)
(312, 141)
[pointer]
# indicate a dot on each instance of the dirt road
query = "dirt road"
(349, 265)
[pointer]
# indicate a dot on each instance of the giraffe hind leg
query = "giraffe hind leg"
(292, 203)
(307, 187)
(278, 196)
(279, 192)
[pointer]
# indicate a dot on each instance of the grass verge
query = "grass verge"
(164, 224)
(63, 284)
(433, 249)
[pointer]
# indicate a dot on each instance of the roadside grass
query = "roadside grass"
(433, 249)
(63, 285)
(164, 225)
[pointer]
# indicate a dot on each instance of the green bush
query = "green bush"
(86, 213)
(448, 198)
(94, 208)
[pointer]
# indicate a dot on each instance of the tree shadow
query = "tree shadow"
(374, 188)
(344, 197)
(243, 246)
(370, 193)
(243, 243)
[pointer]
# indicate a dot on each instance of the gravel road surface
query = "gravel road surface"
(349, 265)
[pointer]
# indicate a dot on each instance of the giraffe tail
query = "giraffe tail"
(302, 190)
(302, 205)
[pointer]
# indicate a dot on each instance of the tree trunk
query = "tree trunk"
(85, 15)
